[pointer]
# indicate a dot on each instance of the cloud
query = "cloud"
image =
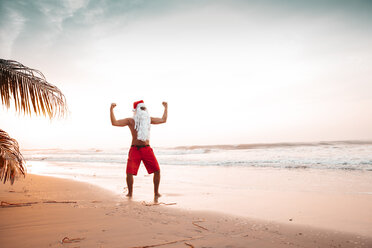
(11, 25)
(32, 24)
(40, 24)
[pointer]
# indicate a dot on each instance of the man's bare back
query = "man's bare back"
(130, 123)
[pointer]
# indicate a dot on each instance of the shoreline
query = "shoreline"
(333, 200)
(93, 217)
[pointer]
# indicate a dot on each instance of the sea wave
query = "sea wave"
(341, 155)
(336, 144)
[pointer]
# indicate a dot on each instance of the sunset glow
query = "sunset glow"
(232, 71)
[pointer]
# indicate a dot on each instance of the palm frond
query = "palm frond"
(29, 90)
(11, 161)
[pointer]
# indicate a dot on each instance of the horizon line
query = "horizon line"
(232, 146)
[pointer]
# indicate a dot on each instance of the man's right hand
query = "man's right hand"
(113, 105)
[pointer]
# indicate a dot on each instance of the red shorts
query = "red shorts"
(138, 154)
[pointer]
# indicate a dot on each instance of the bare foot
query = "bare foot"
(157, 195)
(128, 195)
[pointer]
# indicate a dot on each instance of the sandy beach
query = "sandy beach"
(44, 211)
(267, 142)
(339, 200)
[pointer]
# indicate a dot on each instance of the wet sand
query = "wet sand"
(48, 212)
(330, 199)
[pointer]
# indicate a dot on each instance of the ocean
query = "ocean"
(189, 166)
(341, 155)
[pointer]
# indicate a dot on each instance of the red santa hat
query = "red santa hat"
(136, 103)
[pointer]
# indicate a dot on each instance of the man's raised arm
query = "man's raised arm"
(162, 119)
(114, 122)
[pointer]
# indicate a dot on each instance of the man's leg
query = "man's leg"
(152, 166)
(134, 161)
(130, 184)
(156, 183)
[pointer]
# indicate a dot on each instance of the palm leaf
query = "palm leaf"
(11, 160)
(29, 90)
(31, 93)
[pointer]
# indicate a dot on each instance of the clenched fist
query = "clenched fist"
(165, 104)
(113, 105)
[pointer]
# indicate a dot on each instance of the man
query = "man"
(140, 149)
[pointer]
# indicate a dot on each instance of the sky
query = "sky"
(232, 72)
